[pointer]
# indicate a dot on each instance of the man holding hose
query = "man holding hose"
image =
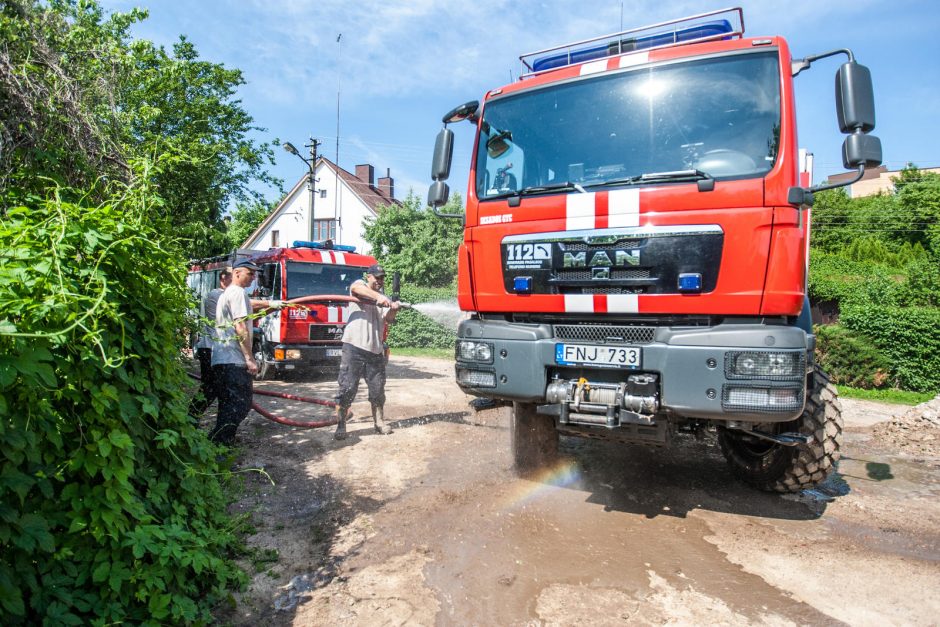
(364, 350)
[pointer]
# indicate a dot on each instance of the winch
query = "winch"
(579, 401)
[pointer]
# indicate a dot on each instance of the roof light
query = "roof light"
(327, 245)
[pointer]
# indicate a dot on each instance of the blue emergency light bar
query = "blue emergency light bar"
(328, 245)
(708, 30)
(711, 26)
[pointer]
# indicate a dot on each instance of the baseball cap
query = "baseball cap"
(247, 264)
(376, 270)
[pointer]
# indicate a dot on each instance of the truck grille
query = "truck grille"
(326, 332)
(585, 274)
(605, 333)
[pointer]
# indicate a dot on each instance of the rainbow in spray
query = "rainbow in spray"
(563, 474)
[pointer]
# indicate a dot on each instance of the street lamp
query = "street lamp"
(311, 166)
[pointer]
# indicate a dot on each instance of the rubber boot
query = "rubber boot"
(340, 433)
(378, 412)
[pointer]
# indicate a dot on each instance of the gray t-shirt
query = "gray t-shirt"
(207, 335)
(365, 325)
(233, 304)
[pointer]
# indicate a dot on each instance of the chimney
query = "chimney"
(366, 173)
(387, 184)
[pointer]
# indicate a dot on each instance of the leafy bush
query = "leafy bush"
(836, 278)
(851, 359)
(111, 509)
(413, 329)
(909, 337)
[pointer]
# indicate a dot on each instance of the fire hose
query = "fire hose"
(315, 424)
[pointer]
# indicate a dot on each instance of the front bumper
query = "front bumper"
(305, 357)
(691, 364)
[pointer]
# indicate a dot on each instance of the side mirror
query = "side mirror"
(443, 154)
(466, 111)
(855, 98)
(859, 149)
(438, 194)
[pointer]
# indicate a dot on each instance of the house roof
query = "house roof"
(371, 196)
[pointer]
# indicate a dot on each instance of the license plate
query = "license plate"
(334, 352)
(602, 356)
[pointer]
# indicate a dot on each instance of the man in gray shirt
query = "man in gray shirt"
(364, 350)
(233, 365)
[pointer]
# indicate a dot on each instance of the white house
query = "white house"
(341, 203)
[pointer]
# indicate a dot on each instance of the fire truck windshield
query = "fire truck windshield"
(719, 116)
(309, 279)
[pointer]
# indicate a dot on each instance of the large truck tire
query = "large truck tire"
(534, 438)
(776, 468)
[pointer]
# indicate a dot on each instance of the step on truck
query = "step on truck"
(635, 249)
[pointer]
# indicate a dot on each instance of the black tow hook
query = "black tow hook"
(783, 439)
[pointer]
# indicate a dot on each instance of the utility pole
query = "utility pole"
(311, 173)
(312, 165)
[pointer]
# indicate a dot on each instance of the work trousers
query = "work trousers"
(361, 364)
(206, 394)
(234, 388)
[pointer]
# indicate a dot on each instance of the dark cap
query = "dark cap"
(376, 270)
(247, 264)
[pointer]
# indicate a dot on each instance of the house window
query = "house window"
(275, 239)
(322, 193)
(324, 229)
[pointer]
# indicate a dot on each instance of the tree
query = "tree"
(417, 243)
(245, 219)
(80, 101)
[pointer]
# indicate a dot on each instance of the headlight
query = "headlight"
(762, 399)
(757, 365)
(476, 378)
(474, 351)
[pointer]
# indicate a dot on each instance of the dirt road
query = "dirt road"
(429, 525)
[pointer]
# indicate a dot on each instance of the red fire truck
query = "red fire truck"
(314, 275)
(636, 241)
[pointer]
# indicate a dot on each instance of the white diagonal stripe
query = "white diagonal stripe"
(623, 208)
(579, 303)
(622, 303)
(637, 58)
(332, 314)
(594, 67)
(579, 211)
(340, 258)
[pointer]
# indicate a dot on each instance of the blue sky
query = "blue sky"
(401, 64)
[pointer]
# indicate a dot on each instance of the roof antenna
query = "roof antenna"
(621, 16)
(510, 75)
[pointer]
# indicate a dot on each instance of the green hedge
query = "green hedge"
(909, 337)
(851, 359)
(111, 509)
(415, 330)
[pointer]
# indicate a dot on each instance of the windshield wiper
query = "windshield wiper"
(705, 181)
(566, 186)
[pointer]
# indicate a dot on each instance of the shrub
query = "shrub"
(413, 329)
(111, 509)
(909, 337)
(851, 359)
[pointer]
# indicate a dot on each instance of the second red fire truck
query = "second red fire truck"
(313, 275)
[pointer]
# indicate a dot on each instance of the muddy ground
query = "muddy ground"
(429, 525)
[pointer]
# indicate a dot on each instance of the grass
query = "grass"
(898, 397)
(439, 353)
